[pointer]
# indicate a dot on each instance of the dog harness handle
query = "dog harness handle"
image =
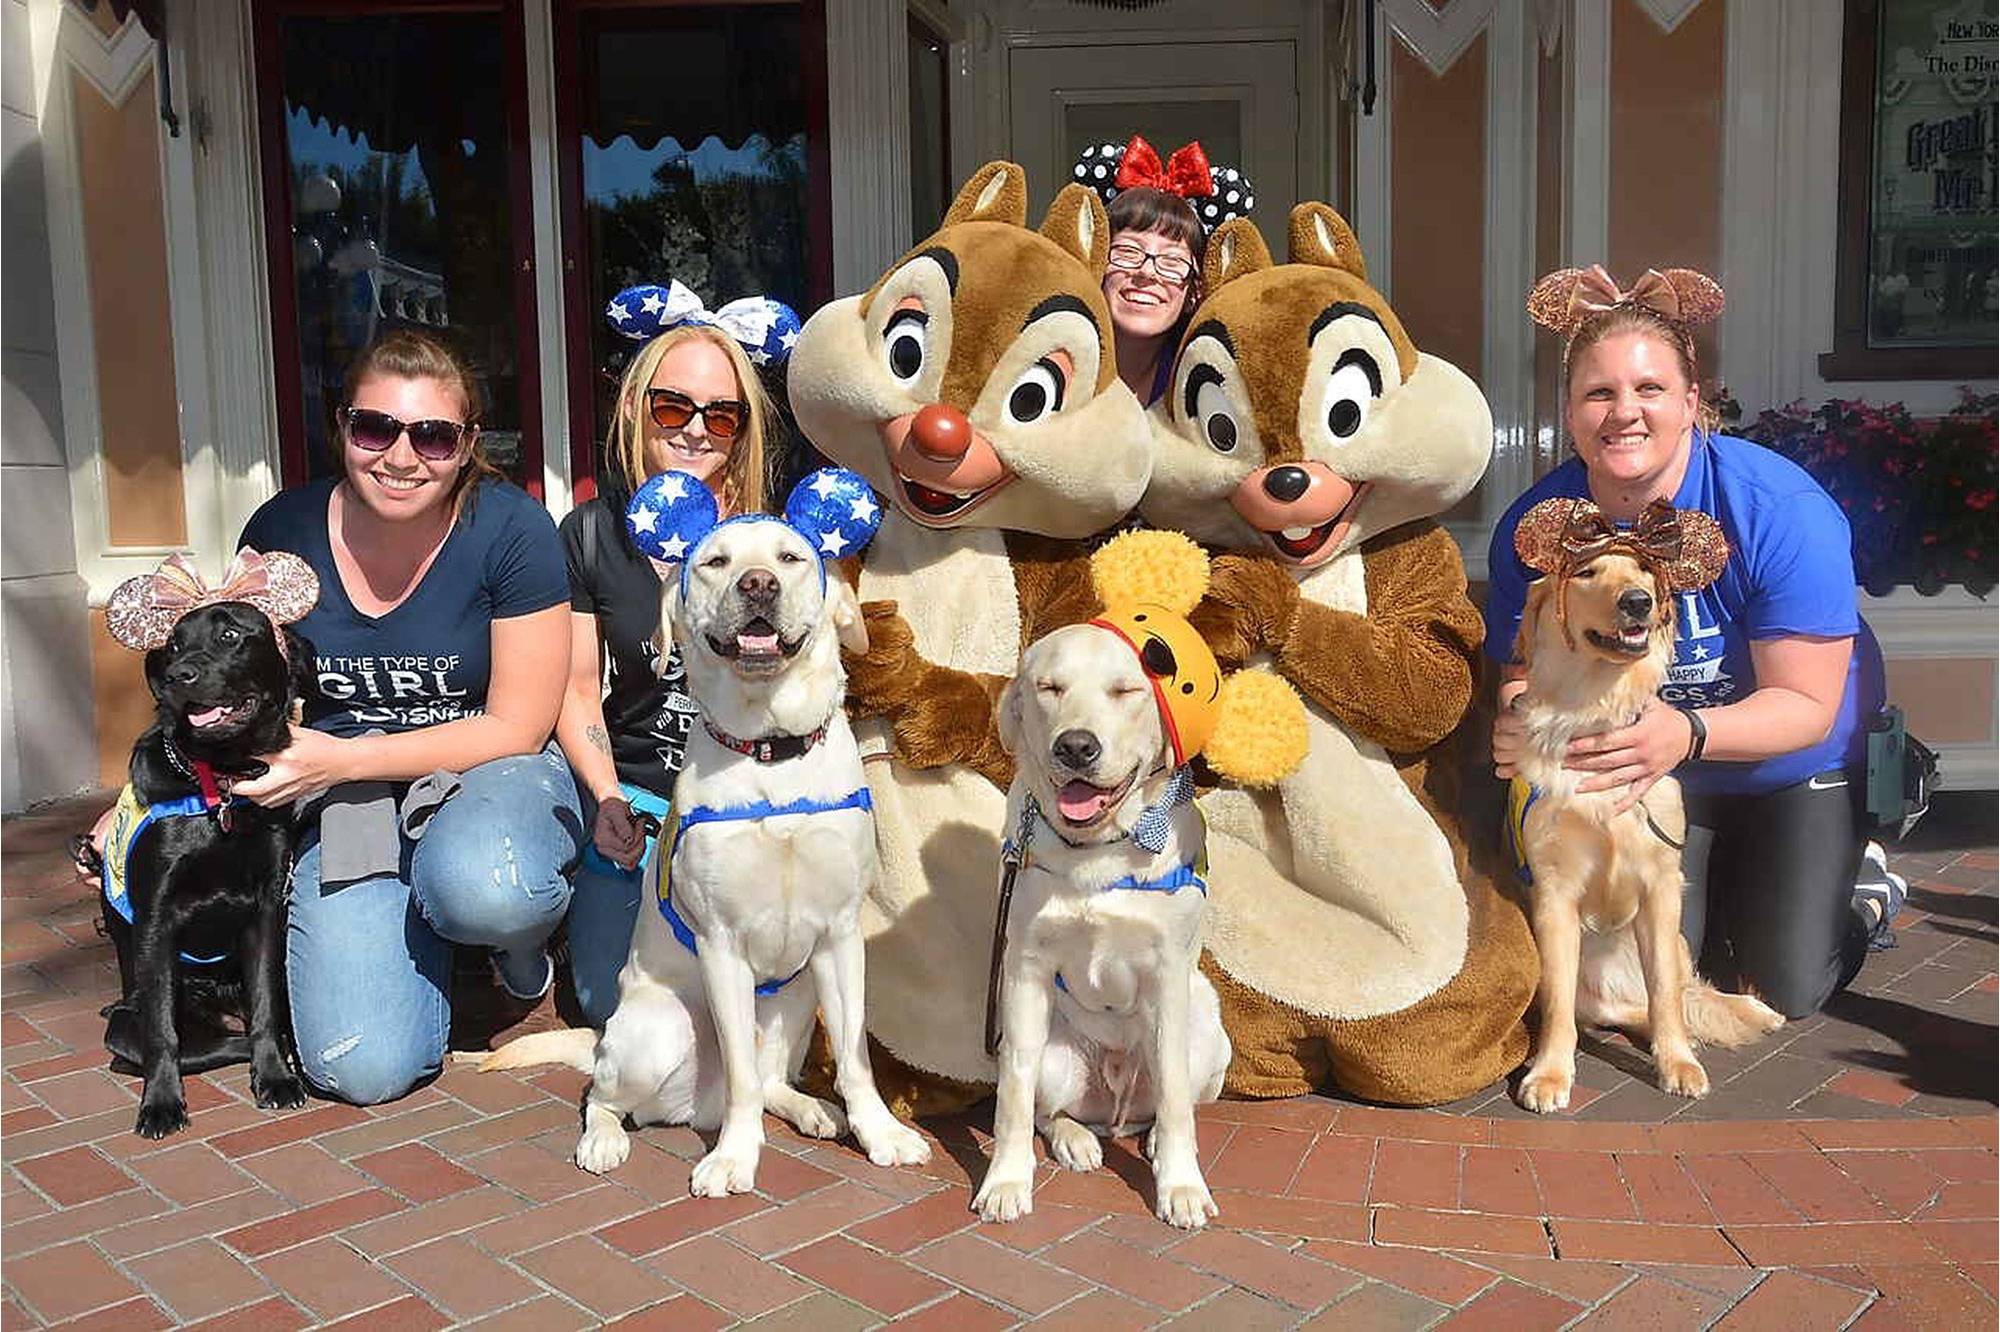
(756, 809)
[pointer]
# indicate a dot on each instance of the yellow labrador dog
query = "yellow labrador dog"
(1605, 898)
(1104, 1018)
(757, 883)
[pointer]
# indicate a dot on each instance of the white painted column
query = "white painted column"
(868, 128)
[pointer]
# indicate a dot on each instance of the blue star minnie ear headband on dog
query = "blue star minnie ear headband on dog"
(673, 514)
(767, 330)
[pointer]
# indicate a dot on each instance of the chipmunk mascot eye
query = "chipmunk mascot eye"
(974, 387)
(1305, 434)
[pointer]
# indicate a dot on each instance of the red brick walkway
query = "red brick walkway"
(458, 1204)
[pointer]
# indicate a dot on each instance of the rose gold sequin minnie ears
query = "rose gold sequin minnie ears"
(1568, 296)
(1684, 547)
(143, 610)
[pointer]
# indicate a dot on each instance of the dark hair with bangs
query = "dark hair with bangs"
(1143, 208)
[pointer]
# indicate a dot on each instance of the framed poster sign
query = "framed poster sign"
(1917, 295)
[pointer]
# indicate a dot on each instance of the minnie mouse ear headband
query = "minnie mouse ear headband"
(1217, 194)
(143, 610)
(1683, 549)
(1567, 297)
(767, 330)
(673, 514)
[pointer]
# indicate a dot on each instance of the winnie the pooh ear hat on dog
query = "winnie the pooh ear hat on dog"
(1250, 726)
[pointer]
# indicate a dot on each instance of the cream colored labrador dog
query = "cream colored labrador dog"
(772, 847)
(1104, 1018)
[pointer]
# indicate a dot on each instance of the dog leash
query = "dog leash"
(1012, 855)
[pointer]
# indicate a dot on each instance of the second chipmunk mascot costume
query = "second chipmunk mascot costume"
(974, 386)
(1352, 943)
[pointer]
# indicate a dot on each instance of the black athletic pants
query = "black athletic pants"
(1768, 901)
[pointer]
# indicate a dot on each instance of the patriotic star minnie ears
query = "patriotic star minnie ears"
(143, 610)
(1216, 193)
(767, 330)
(673, 514)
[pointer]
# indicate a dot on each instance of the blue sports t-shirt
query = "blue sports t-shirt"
(428, 660)
(1790, 572)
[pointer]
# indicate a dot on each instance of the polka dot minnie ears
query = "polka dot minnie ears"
(673, 514)
(1216, 193)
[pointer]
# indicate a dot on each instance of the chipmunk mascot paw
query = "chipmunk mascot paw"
(974, 386)
(1306, 435)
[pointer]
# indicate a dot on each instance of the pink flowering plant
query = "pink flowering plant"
(1919, 494)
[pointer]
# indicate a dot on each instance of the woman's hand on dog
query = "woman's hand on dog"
(311, 763)
(616, 834)
(1634, 756)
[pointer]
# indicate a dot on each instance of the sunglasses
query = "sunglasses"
(671, 409)
(433, 441)
(1171, 268)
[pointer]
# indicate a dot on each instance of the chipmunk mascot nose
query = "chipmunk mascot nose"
(974, 386)
(1304, 434)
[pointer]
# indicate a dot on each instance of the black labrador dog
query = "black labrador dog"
(201, 938)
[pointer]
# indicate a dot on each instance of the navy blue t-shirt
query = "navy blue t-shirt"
(1790, 573)
(428, 660)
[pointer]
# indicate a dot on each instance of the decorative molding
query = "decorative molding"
(1440, 36)
(868, 131)
(1372, 137)
(1587, 163)
(544, 157)
(1954, 623)
(114, 64)
(1667, 14)
(1968, 767)
(1512, 72)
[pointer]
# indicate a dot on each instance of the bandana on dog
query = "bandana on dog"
(673, 514)
(143, 610)
(766, 329)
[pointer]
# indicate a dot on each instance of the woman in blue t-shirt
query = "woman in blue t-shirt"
(1764, 714)
(441, 638)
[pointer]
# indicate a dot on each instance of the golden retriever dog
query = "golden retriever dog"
(1596, 638)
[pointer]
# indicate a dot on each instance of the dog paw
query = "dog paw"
(158, 1119)
(892, 1142)
(1683, 1075)
(1004, 1199)
(724, 1171)
(1546, 1090)
(808, 1114)
(1073, 1146)
(1187, 1206)
(603, 1147)
(278, 1091)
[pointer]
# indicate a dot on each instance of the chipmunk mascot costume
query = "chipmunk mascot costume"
(974, 386)
(1304, 433)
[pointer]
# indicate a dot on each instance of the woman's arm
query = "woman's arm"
(531, 658)
(580, 728)
(1800, 680)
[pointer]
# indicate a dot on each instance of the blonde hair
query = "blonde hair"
(744, 485)
(404, 353)
(1637, 319)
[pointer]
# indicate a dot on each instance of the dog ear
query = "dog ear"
(848, 624)
(1009, 715)
(156, 672)
(670, 612)
(301, 669)
(1531, 611)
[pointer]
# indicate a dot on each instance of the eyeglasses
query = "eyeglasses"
(433, 441)
(671, 410)
(1171, 268)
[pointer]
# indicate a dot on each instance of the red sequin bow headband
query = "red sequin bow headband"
(143, 610)
(1216, 193)
(1185, 172)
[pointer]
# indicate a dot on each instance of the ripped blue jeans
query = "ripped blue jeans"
(368, 968)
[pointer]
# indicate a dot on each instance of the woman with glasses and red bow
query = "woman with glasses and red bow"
(1161, 214)
(690, 401)
(434, 809)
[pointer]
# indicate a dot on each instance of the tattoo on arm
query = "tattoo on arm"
(598, 739)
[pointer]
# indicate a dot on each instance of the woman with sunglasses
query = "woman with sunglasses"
(1160, 217)
(690, 402)
(441, 638)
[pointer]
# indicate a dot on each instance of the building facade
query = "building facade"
(210, 205)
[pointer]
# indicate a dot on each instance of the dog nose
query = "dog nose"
(185, 675)
(1635, 604)
(758, 585)
(1286, 484)
(1076, 749)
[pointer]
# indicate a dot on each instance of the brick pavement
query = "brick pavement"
(1842, 1173)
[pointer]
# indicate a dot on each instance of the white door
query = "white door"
(1240, 99)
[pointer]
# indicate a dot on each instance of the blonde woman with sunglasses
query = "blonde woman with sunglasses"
(690, 401)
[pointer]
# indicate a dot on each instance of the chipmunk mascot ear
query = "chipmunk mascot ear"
(1307, 437)
(973, 385)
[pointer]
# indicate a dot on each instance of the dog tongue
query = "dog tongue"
(208, 716)
(1080, 802)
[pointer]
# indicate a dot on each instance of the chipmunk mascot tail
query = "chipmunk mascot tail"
(1305, 434)
(974, 387)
